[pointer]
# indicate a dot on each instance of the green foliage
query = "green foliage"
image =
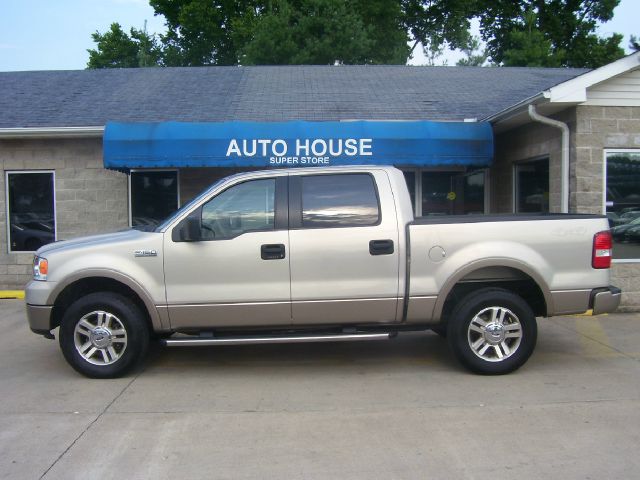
(116, 49)
(202, 32)
(593, 52)
(530, 48)
(323, 32)
(474, 54)
(566, 29)
(260, 32)
(634, 43)
(437, 24)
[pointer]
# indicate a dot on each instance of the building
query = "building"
(84, 152)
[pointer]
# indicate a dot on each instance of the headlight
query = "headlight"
(40, 268)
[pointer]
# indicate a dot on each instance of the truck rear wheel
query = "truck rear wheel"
(492, 331)
(102, 335)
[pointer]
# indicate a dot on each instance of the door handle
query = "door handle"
(272, 251)
(381, 247)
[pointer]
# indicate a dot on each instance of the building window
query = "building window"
(532, 186)
(30, 210)
(440, 192)
(473, 192)
(330, 201)
(410, 178)
(154, 196)
(622, 202)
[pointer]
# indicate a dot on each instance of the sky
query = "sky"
(55, 34)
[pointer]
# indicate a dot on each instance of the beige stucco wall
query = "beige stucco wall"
(89, 198)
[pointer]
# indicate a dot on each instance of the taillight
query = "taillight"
(602, 245)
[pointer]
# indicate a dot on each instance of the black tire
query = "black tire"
(114, 352)
(515, 337)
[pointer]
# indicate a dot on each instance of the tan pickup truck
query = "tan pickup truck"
(318, 254)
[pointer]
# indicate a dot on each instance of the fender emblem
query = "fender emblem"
(145, 253)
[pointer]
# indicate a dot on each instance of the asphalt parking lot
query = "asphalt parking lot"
(401, 409)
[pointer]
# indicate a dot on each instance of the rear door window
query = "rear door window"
(330, 201)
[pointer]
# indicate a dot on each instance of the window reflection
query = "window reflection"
(154, 196)
(473, 193)
(410, 178)
(623, 203)
(31, 210)
(242, 208)
(532, 187)
(438, 193)
(339, 201)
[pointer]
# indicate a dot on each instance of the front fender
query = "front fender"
(157, 320)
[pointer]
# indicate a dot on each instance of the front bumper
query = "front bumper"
(39, 312)
(605, 300)
(40, 318)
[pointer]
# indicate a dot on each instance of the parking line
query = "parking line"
(6, 294)
(594, 340)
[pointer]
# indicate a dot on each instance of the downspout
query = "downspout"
(564, 169)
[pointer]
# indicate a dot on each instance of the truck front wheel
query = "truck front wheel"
(492, 331)
(104, 334)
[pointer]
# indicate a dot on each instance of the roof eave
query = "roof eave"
(514, 109)
(575, 90)
(52, 132)
(571, 92)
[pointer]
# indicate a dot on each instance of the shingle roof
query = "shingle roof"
(209, 94)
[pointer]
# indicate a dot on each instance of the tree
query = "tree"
(566, 26)
(149, 51)
(475, 55)
(436, 24)
(323, 32)
(634, 43)
(251, 32)
(225, 32)
(530, 48)
(204, 32)
(116, 49)
(200, 32)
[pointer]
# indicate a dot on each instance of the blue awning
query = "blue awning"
(296, 143)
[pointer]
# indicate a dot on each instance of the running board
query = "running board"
(205, 341)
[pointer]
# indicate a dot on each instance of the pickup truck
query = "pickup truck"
(318, 254)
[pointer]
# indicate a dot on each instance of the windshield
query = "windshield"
(188, 205)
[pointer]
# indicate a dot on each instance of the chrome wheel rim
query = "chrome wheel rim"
(100, 338)
(494, 334)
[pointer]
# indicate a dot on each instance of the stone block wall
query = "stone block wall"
(89, 198)
(597, 129)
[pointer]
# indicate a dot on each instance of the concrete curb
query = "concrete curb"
(6, 294)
